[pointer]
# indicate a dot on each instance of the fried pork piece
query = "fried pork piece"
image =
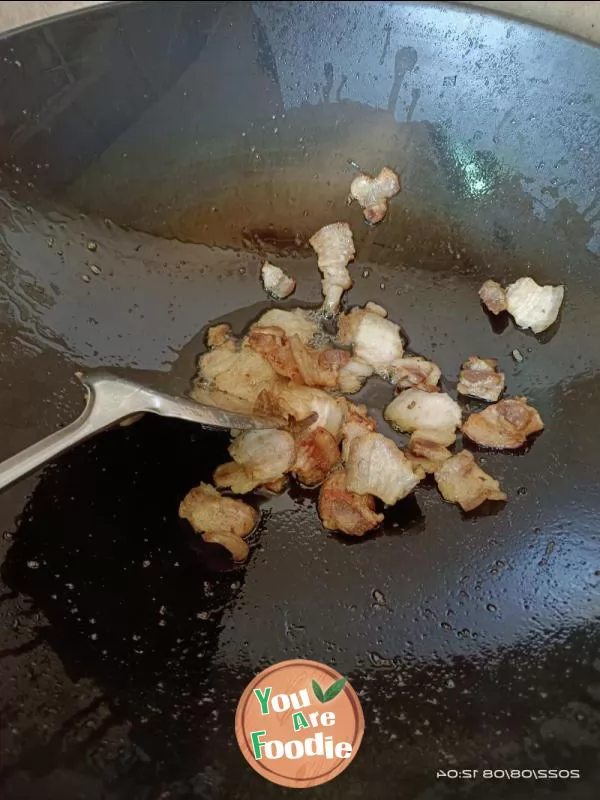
(334, 247)
(375, 465)
(207, 511)
(272, 344)
(218, 335)
(237, 547)
(479, 377)
(493, 297)
(460, 480)
(238, 372)
(318, 367)
(375, 340)
(292, 358)
(276, 486)
(415, 410)
(356, 422)
(275, 281)
(233, 476)
(415, 373)
(375, 308)
(504, 425)
(317, 453)
(353, 375)
(425, 452)
(534, 306)
(297, 321)
(259, 457)
(345, 511)
(373, 193)
(213, 397)
(296, 403)
(265, 454)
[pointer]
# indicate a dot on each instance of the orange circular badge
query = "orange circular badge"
(299, 723)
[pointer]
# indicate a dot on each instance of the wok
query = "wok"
(152, 154)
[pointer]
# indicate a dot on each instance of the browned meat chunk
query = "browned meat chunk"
(415, 373)
(376, 465)
(276, 486)
(504, 425)
(493, 297)
(317, 454)
(207, 511)
(479, 377)
(295, 321)
(356, 422)
(295, 403)
(218, 335)
(353, 375)
(424, 451)
(373, 193)
(334, 247)
(241, 372)
(415, 410)
(461, 481)
(375, 340)
(233, 476)
(235, 544)
(259, 457)
(292, 358)
(345, 511)
(275, 281)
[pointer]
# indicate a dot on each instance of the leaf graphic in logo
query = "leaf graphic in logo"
(334, 690)
(318, 692)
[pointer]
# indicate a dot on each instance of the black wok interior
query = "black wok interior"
(152, 153)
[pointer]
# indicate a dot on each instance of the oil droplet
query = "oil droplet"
(380, 661)
(379, 597)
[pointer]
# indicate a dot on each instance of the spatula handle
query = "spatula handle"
(96, 417)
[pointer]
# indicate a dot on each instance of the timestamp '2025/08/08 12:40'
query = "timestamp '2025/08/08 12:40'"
(509, 774)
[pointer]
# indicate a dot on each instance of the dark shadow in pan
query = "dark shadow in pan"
(131, 602)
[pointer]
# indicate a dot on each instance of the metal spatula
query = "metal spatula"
(111, 400)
